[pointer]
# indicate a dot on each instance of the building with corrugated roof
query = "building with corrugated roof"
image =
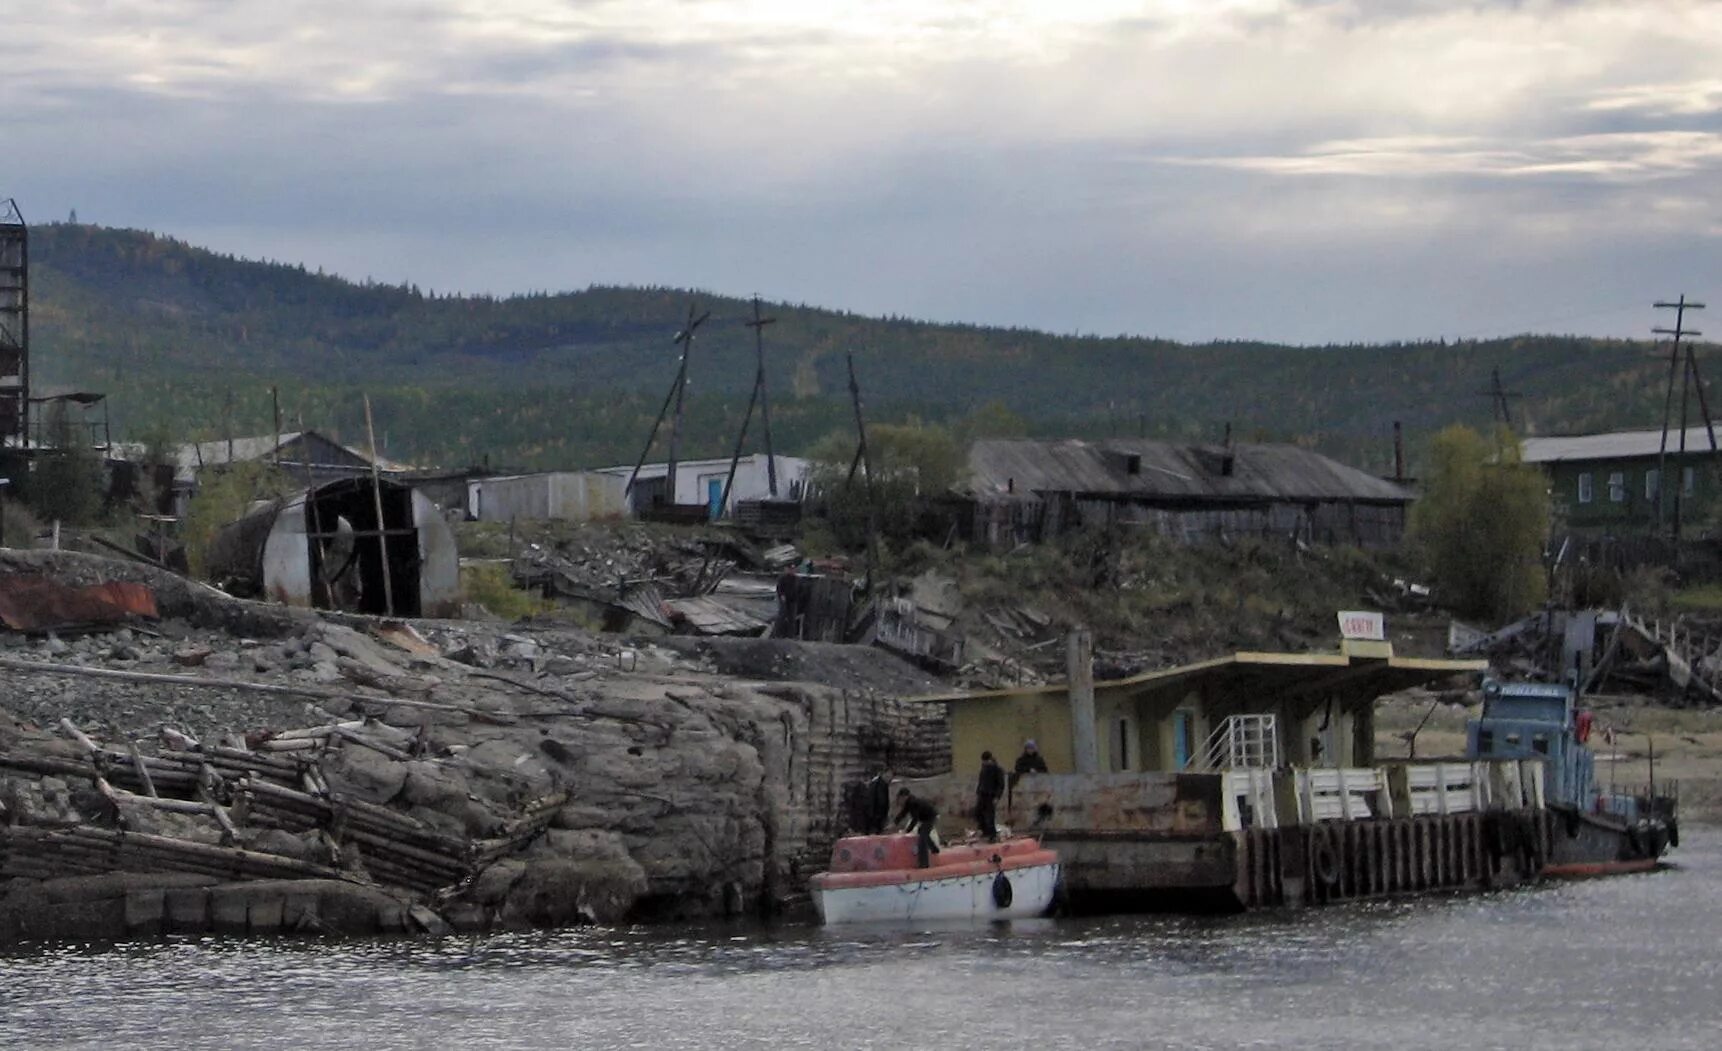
(1025, 489)
(1612, 482)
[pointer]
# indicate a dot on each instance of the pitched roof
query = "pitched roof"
(1612, 445)
(1164, 470)
(191, 457)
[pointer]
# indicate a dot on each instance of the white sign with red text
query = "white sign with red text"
(1360, 624)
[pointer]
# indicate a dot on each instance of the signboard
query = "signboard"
(1359, 624)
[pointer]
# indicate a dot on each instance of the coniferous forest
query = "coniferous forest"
(191, 340)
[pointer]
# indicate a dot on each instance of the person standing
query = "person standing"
(877, 804)
(916, 815)
(988, 788)
(1030, 761)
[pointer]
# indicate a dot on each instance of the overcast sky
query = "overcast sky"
(1293, 170)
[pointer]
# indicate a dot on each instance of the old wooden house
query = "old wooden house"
(1612, 483)
(1021, 490)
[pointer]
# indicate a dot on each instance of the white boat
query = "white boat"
(874, 878)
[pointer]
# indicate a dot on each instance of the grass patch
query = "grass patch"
(1705, 598)
(489, 585)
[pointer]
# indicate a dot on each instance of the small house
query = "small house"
(701, 482)
(1612, 483)
(572, 496)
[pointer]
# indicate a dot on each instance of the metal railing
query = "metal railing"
(1240, 742)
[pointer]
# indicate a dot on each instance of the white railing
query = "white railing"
(1241, 742)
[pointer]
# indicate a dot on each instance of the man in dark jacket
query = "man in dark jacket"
(916, 815)
(877, 804)
(1030, 761)
(987, 791)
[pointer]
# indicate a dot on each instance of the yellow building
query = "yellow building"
(1322, 706)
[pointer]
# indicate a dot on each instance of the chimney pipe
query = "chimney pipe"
(1398, 452)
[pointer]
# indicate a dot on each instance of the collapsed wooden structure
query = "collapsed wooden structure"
(280, 785)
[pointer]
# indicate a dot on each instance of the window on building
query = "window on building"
(1617, 487)
(1584, 492)
(1688, 480)
(1652, 483)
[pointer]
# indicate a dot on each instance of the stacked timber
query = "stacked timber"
(242, 791)
(393, 847)
(45, 853)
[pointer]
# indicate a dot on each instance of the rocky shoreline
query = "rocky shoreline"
(355, 775)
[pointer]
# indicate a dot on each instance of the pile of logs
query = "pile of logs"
(392, 847)
(278, 785)
(45, 853)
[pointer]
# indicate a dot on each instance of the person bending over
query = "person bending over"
(916, 815)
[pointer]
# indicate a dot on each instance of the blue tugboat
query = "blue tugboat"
(1596, 831)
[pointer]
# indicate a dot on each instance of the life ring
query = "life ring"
(1323, 859)
(1003, 895)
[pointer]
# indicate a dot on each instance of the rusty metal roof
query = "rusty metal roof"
(1155, 470)
(38, 603)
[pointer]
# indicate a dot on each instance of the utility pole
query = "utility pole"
(684, 338)
(1499, 397)
(758, 325)
(864, 460)
(1678, 333)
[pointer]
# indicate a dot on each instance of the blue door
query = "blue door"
(714, 497)
(1180, 740)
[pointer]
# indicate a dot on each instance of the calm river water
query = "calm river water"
(1626, 963)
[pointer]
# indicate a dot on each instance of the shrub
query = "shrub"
(1481, 525)
(490, 585)
(224, 495)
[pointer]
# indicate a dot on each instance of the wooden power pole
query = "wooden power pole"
(1688, 377)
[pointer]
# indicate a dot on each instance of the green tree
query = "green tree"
(224, 495)
(992, 420)
(67, 483)
(912, 463)
(1481, 524)
(155, 467)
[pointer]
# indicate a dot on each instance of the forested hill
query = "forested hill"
(182, 336)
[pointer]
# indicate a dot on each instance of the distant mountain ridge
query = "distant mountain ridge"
(192, 338)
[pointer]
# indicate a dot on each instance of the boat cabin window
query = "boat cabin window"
(1515, 740)
(1540, 744)
(1485, 741)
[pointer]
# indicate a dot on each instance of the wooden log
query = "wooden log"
(377, 746)
(296, 744)
(47, 766)
(142, 769)
(82, 738)
(165, 847)
(174, 739)
(367, 816)
(313, 732)
(230, 831)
